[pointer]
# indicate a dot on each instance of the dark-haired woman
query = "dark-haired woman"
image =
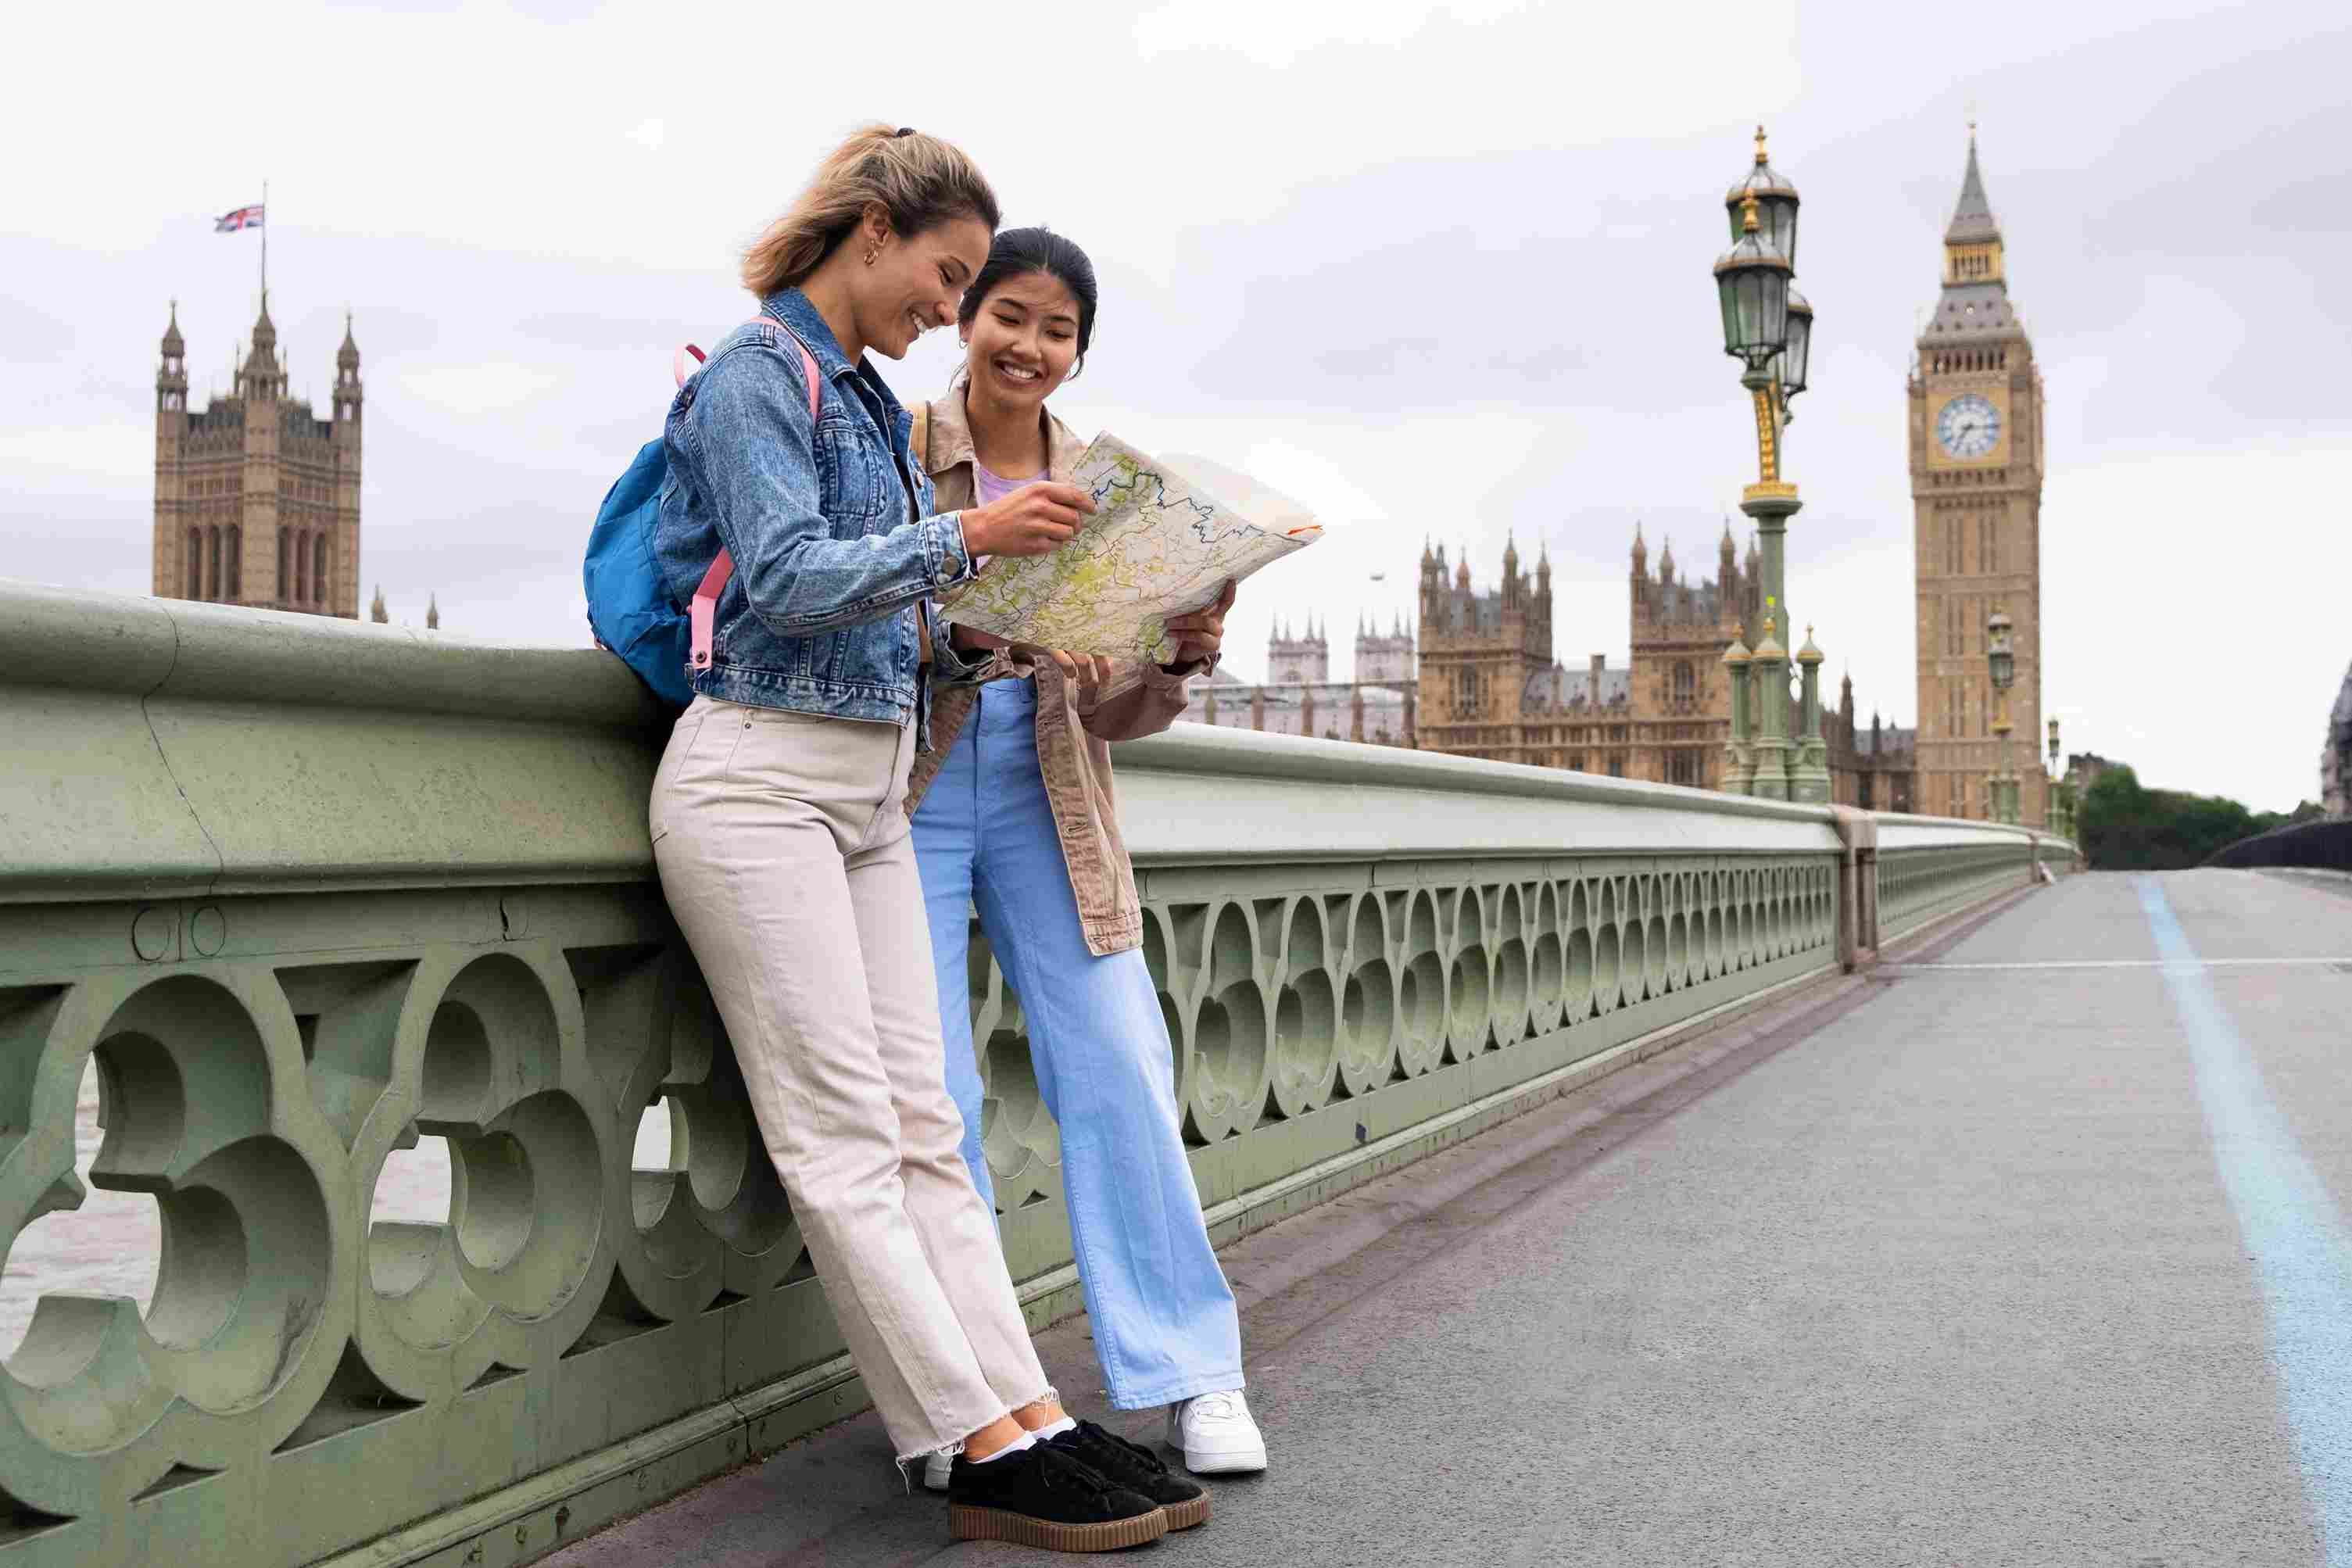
(1014, 815)
(779, 823)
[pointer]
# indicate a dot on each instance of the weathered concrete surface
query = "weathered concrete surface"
(1941, 1274)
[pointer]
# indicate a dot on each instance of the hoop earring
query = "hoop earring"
(871, 252)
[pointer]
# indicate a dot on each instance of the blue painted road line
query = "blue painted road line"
(2293, 1229)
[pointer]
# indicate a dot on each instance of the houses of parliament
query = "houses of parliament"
(1477, 677)
(257, 498)
(257, 503)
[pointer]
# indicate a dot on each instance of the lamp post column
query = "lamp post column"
(1770, 664)
(2004, 785)
(2000, 661)
(1739, 760)
(2060, 817)
(1808, 773)
(1771, 501)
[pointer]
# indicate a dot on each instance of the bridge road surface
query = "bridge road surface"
(1950, 1271)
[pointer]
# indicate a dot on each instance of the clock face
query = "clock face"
(1968, 425)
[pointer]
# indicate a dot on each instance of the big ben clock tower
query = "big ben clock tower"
(1975, 492)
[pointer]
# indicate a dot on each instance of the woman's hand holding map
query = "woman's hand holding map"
(1148, 576)
(1199, 634)
(1032, 521)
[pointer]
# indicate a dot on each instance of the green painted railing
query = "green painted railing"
(1929, 867)
(310, 891)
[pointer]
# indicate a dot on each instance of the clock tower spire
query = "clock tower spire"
(1975, 433)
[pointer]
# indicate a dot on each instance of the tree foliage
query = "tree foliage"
(2127, 826)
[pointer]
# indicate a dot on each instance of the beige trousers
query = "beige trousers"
(785, 853)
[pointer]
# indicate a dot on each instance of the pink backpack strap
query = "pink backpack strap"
(703, 611)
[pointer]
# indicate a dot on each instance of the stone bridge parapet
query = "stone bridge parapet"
(310, 891)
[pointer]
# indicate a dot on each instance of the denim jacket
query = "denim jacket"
(821, 615)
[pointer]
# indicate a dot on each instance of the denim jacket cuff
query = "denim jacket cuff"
(944, 551)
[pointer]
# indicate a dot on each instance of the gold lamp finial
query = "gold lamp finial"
(1747, 212)
(1759, 144)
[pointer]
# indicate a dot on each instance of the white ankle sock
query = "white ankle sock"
(1066, 1424)
(1026, 1440)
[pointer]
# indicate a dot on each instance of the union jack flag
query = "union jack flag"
(243, 217)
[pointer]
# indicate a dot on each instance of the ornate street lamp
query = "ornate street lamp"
(1776, 202)
(1768, 328)
(2001, 659)
(1797, 357)
(2060, 814)
(1752, 280)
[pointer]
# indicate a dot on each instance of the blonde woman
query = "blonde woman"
(779, 821)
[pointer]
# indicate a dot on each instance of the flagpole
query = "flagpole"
(265, 246)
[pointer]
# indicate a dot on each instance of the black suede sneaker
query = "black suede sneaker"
(1044, 1496)
(1139, 1469)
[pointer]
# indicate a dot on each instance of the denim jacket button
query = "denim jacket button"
(947, 571)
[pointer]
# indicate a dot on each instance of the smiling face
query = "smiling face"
(915, 281)
(1023, 340)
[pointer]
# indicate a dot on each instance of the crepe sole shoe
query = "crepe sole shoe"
(967, 1522)
(1041, 1495)
(1185, 1515)
(1131, 1467)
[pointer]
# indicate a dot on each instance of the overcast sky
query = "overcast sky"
(1432, 269)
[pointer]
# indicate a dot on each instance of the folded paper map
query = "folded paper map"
(1156, 546)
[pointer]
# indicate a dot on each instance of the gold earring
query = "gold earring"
(871, 252)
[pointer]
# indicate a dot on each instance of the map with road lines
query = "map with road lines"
(1158, 547)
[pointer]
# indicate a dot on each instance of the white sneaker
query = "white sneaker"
(1215, 1434)
(936, 1466)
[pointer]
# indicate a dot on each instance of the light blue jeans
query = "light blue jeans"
(1164, 1317)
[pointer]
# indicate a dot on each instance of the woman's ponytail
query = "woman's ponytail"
(920, 180)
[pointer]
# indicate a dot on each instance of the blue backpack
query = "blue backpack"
(629, 605)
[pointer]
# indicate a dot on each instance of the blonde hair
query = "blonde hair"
(919, 179)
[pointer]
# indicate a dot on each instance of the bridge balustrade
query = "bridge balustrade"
(310, 893)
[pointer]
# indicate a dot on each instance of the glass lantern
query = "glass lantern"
(1752, 280)
(1777, 203)
(1796, 358)
(2001, 654)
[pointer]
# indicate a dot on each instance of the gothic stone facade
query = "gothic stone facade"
(258, 499)
(1301, 698)
(1490, 687)
(1681, 693)
(1977, 462)
(1482, 682)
